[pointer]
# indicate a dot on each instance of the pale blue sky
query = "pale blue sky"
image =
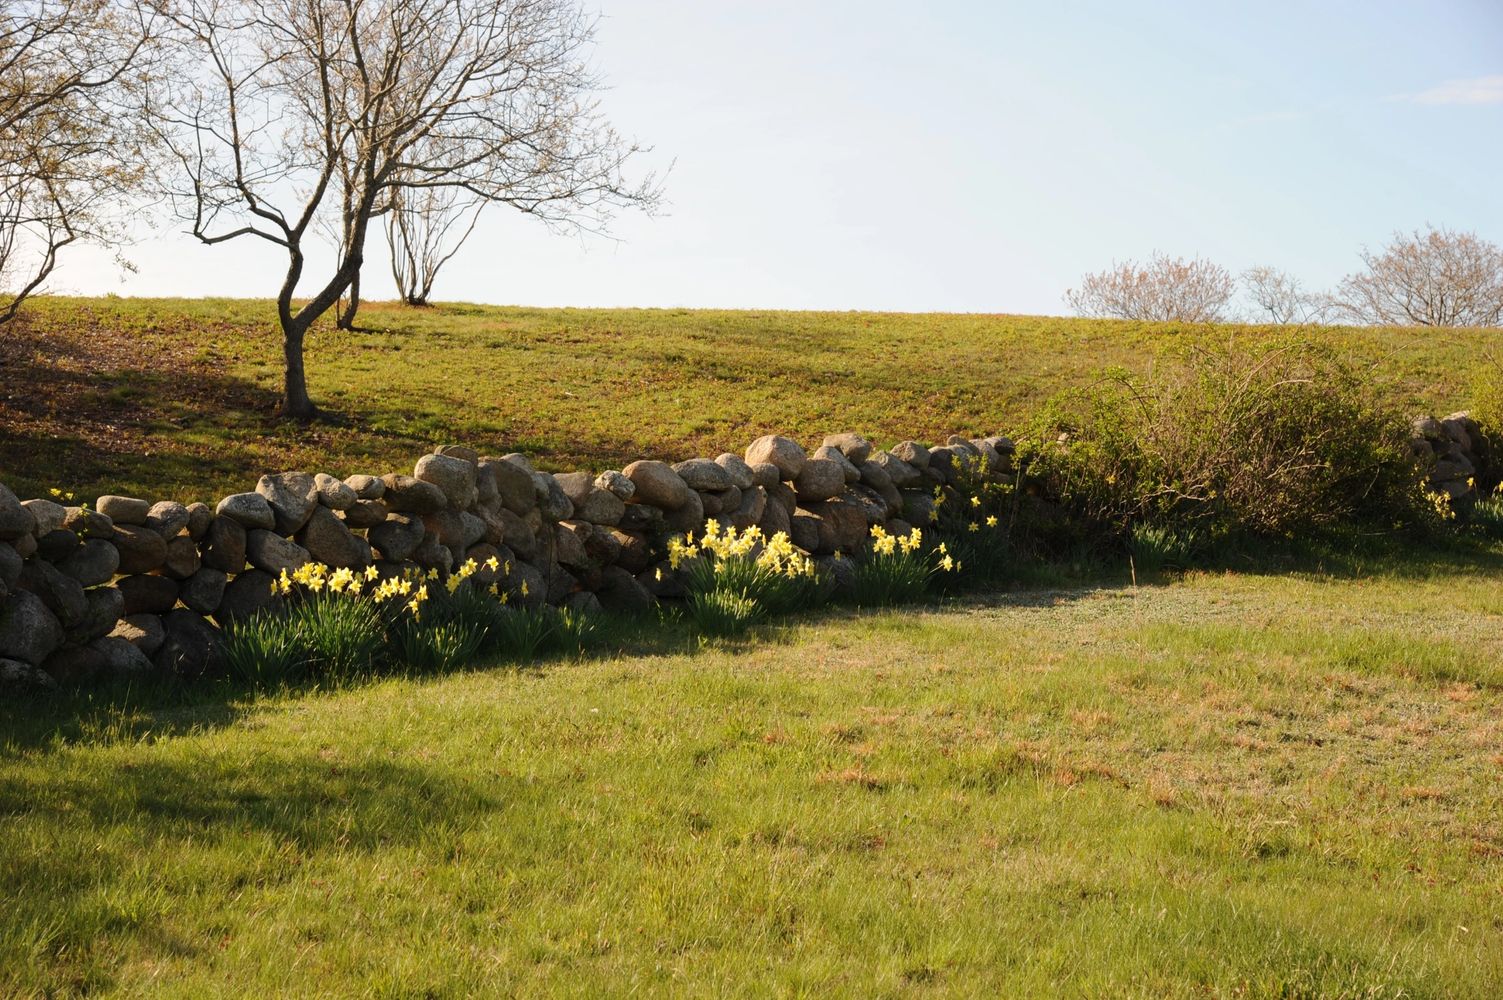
(972, 156)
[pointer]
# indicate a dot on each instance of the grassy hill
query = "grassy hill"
(93, 388)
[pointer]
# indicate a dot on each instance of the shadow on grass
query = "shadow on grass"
(135, 711)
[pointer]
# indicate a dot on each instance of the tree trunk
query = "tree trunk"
(295, 402)
(347, 317)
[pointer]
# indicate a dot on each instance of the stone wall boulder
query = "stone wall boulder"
(94, 562)
(15, 520)
(293, 496)
(409, 495)
(123, 510)
(787, 454)
(168, 519)
(29, 631)
(328, 541)
(819, 479)
(854, 447)
(455, 477)
(657, 484)
(333, 493)
(249, 510)
(224, 546)
(271, 553)
(48, 516)
(182, 558)
(146, 594)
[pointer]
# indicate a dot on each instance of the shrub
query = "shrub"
(434, 646)
(341, 636)
(723, 612)
(264, 649)
(773, 573)
(898, 570)
(1154, 548)
(525, 633)
(1270, 441)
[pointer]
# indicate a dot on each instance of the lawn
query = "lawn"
(1229, 785)
(173, 399)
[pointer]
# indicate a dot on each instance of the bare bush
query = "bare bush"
(295, 109)
(1279, 297)
(425, 229)
(1436, 278)
(72, 73)
(1165, 290)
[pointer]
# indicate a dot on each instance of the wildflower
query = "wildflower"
(371, 573)
(975, 501)
(991, 522)
(494, 564)
(973, 526)
(947, 564)
(524, 588)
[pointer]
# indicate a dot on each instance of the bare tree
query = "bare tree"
(1164, 290)
(302, 108)
(1281, 299)
(425, 229)
(72, 73)
(1436, 278)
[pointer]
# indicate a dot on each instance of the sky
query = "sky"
(969, 156)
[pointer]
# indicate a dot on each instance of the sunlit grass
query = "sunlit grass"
(1231, 785)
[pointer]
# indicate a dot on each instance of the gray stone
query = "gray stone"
(576, 485)
(853, 446)
(49, 516)
(142, 631)
(727, 499)
(121, 657)
(620, 592)
(554, 504)
(820, 479)
(583, 602)
(224, 546)
(292, 497)
(272, 553)
(471, 529)
(766, 475)
(526, 585)
(15, 520)
(192, 647)
(365, 514)
(182, 558)
(913, 453)
(462, 452)
(703, 475)
(517, 533)
(431, 554)
(366, 487)
(168, 519)
(28, 630)
(601, 507)
(898, 471)
(852, 474)
(72, 665)
(454, 476)
(520, 460)
(147, 595)
(88, 523)
(333, 493)
(55, 546)
(847, 521)
(640, 517)
(92, 563)
(104, 606)
(657, 484)
(776, 519)
(18, 675)
(62, 594)
(840, 571)
(200, 516)
(486, 491)
(446, 527)
(749, 512)
(397, 538)
(803, 531)
(328, 541)
(741, 474)
(689, 517)
(569, 543)
(710, 503)
(873, 506)
(406, 494)
(617, 484)
(244, 596)
(633, 551)
(249, 510)
(513, 483)
(123, 510)
(788, 455)
(876, 477)
(10, 566)
(203, 591)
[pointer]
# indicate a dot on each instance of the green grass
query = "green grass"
(1232, 785)
(174, 398)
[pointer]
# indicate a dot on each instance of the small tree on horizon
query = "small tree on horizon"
(1440, 277)
(288, 111)
(1280, 298)
(425, 229)
(1165, 290)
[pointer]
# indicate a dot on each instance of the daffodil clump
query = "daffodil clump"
(345, 622)
(899, 567)
(734, 577)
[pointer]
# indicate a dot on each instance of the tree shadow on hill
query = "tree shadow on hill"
(301, 806)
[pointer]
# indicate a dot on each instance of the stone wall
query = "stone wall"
(132, 586)
(1458, 456)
